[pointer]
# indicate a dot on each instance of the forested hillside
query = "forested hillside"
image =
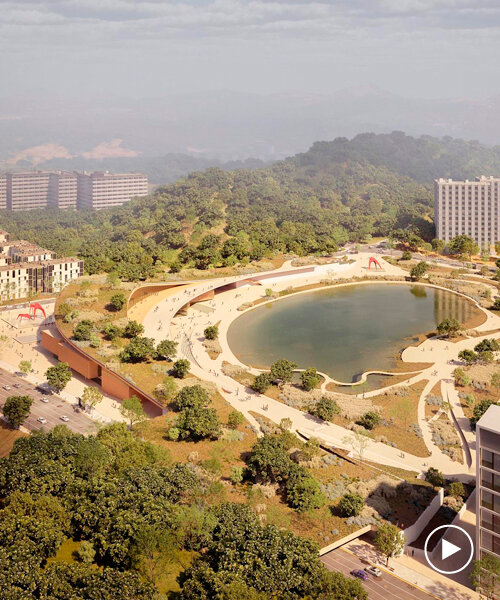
(337, 191)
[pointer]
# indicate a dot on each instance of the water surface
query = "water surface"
(343, 331)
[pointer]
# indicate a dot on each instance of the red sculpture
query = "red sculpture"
(374, 261)
(37, 306)
(24, 316)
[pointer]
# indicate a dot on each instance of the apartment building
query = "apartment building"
(26, 268)
(488, 484)
(103, 189)
(27, 190)
(468, 208)
(63, 188)
(3, 192)
(30, 190)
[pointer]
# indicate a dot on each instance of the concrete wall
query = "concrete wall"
(348, 538)
(412, 532)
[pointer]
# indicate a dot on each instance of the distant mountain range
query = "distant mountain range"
(224, 125)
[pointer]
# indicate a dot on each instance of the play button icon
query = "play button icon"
(449, 549)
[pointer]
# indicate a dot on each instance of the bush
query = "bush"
(235, 419)
(309, 379)
(350, 505)
(236, 475)
(434, 477)
(211, 332)
(468, 356)
(191, 396)
(457, 489)
(262, 382)
(83, 330)
(173, 433)
(461, 378)
(303, 492)
(479, 410)
(325, 409)
(139, 349)
(112, 331)
(487, 345)
(198, 423)
(133, 329)
(407, 255)
(180, 368)
(117, 302)
(369, 420)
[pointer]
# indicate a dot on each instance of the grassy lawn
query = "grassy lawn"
(7, 438)
(391, 406)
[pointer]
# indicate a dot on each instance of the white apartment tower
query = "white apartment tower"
(469, 208)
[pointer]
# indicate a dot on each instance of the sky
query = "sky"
(123, 48)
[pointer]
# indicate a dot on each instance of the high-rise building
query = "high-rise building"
(63, 190)
(3, 192)
(27, 190)
(488, 484)
(468, 208)
(102, 189)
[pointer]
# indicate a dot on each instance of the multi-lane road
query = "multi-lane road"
(52, 410)
(386, 587)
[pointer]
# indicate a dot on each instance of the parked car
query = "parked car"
(42, 420)
(64, 418)
(359, 574)
(373, 571)
(6, 388)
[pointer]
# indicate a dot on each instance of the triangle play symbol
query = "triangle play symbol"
(448, 549)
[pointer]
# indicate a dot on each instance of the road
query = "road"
(386, 587)
(52, 410)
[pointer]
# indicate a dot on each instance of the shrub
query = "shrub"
(211, 332)
(180, 368)
(461, 378)
(407, 255)
(350, 505)
(117, 302)
(139, 349)
(112, 331)
(309, 379)
(236, 475)
(457, 489)
(325, 409)
(303, 492)
(235, 419)
(261, 382)
(191, 396)
(83, 330)
(434, 477)
(479, 410)
(488, 344)
(133, 329)
(173, 433)
(369, 420)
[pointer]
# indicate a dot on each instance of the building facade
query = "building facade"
(102, 189)
(469, 208)
(488, 484)
(26, 268)
(32, 190)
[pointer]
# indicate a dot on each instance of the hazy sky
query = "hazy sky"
(424, 48)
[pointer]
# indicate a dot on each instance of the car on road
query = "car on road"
(64, 418)
(16, 385)
(359, 574)
(42, 389)
(6, 388)
(373, 571)
(42, 420)
(44, 399)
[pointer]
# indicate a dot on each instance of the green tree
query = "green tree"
(64, 309)
(495, 380)
(180, 368)
(83, 330)
(235, 419)
(350, 505)
(166, 390)
(132, 410)
(370, 420)
(434, 477)
(282, 370)
(461, 378)
(468, 356)
(112, 331)
(487, 345)
(25, 366)
(154, 549)
(133, 329)
(389, 541)
(325, 409)
(406, 255)
(303, 492)
(419, 270)
(463, 245)
(198, 422)
(166, 349)
(261, 382)
(117, 302)
(449, 327)
(309, 379)
(269, 459)
(479, 409)
(211, 332)
(138, 349)
(91, 397)
(438, 245)
(457, 489)
(191, 396)
(58, 376)
(485, 576)
(17, 409)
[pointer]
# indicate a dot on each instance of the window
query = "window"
(490, 480)
(490, 521)
(490, 542)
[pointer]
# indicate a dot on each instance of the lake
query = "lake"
(346, 330)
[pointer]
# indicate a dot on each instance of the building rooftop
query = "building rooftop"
(480, 179)
(491, 419)
(42, 263)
